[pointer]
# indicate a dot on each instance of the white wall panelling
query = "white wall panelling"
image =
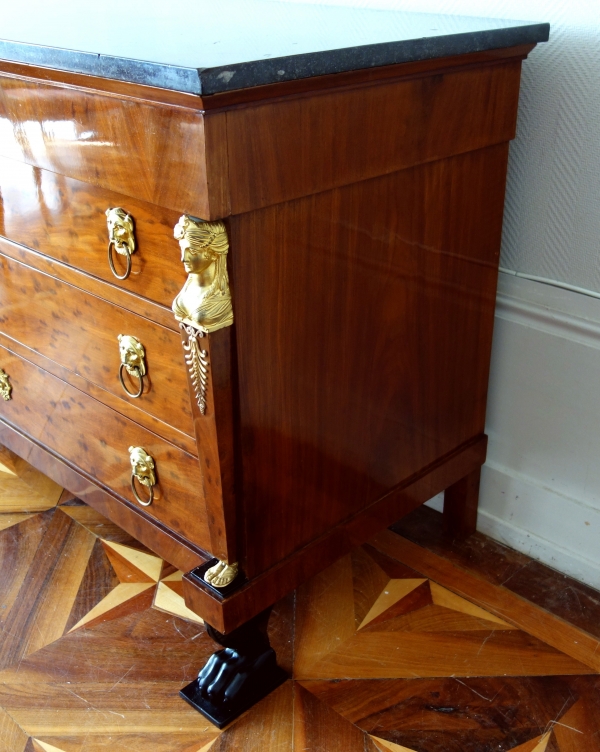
(540, 490)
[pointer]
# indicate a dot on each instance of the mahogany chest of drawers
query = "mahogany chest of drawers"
(252, 324)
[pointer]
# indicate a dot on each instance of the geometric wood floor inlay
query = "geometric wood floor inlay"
(96, 641)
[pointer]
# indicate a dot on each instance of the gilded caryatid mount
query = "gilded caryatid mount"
(205, 300)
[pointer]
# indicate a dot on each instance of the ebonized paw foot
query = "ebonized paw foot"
(238, 676)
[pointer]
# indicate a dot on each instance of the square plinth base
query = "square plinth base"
(228, 712)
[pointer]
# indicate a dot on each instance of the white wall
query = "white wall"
(540, 488)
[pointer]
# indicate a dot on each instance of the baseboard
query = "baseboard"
(540, 490)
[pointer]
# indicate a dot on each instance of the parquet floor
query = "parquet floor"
(396, 647)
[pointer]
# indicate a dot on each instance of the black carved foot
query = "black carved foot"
(236, 678)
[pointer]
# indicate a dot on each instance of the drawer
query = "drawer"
(96, 439)
(65, 219)
(137, 148)
(79, 331)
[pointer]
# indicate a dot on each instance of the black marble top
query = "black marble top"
(210, 46)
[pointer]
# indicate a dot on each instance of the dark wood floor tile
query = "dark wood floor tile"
(395, 570)
(98, 581)
(281, 632)
(40, 612)
(143, 646)
(578, 730)
(317, 727)
(100, 526)
(557, 593)
(563, 596)
(67, 498)
(18, 547)
(466, 715)
(491, 560)
(269, 725)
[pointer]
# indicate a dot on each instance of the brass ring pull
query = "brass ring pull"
(132, 372)
(133, 360)
(111, 263)
(142, 469)
(137, 496)
(120, 236)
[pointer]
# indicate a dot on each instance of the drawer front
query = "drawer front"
(96, 440)
(79, 331)
(65, 219)
(137, 148)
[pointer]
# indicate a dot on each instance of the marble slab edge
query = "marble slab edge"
(207, 81)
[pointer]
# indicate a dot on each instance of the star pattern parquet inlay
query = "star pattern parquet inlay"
(96, 641)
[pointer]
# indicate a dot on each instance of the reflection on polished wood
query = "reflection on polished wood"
(126, 146)
(94, 629)
(65, 219)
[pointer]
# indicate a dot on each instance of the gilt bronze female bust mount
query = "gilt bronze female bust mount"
(204, 301)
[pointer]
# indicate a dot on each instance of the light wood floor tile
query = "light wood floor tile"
(45, 747)
(8, 520)
(166, 599)
(23, 488)
(136, 562)
(12, 736)
(392, 592)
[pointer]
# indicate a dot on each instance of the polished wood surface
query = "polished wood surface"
(147, 151)
(111, 293)
(343, 301)
(460, 506)
(128, 408)
(65, 219)
(265, 589)
(338, 138)
(95, 439)
(79, 331)
(499, 601)
(216, 441)
(175, 549)
(96, 642)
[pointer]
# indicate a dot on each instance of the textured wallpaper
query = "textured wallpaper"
(552, 219)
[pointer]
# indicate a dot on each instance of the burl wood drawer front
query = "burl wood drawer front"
(79, 331)
(65, 219)
(96, 439)
(137, 148)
